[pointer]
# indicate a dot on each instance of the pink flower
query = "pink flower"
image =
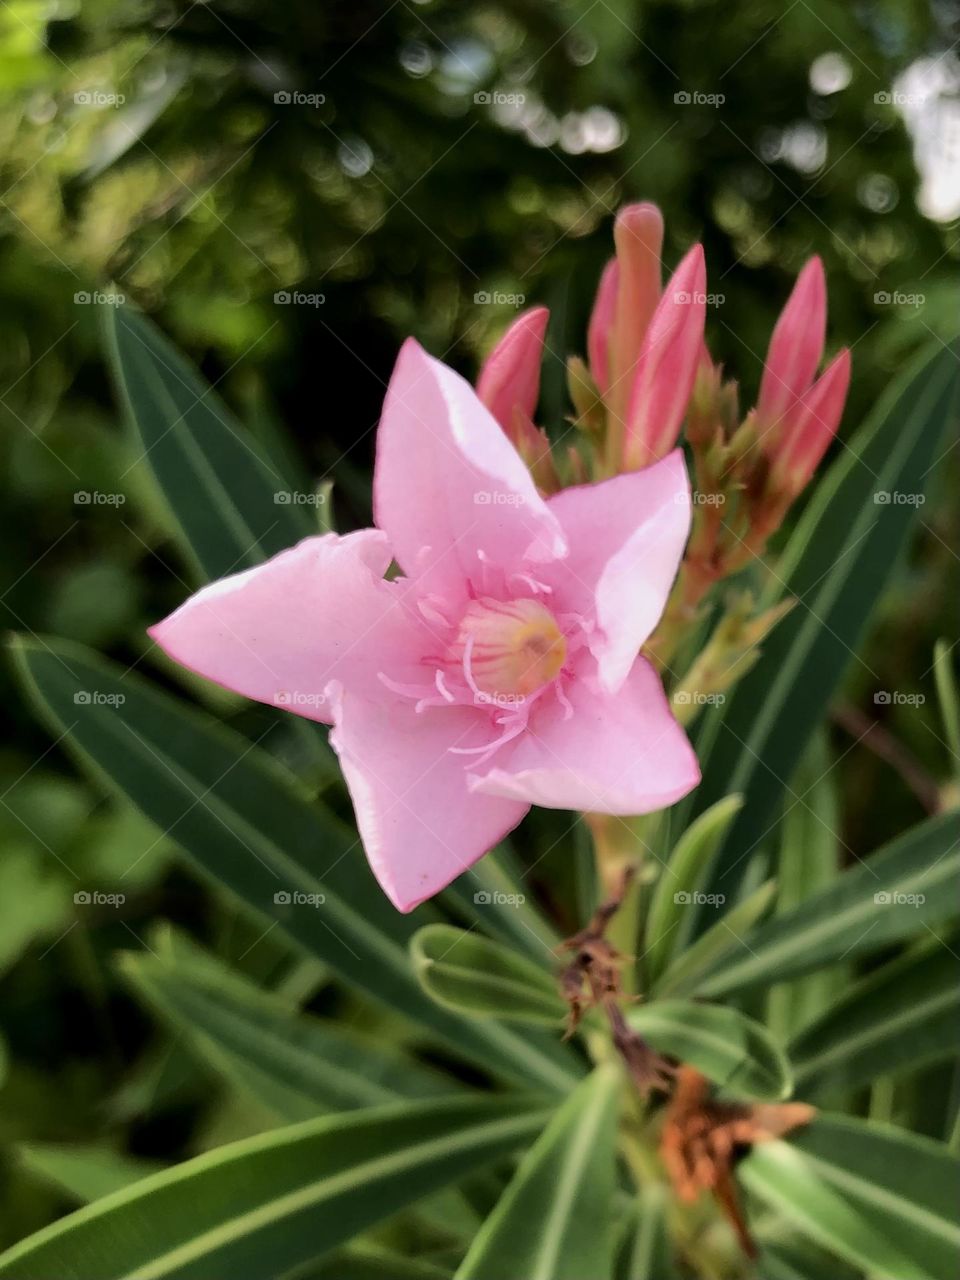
(643, 345)
(797, 417)
(509, 382)
(501, 671)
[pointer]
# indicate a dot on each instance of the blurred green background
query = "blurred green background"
(388, 167)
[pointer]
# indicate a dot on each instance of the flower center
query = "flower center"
(509, 648)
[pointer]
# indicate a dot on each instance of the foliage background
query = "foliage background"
(399, 198)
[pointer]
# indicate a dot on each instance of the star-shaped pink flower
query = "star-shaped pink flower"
(500, 671)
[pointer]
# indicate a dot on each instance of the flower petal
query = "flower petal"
(450, 490)
(510, 377)
(796, 346)
(626, 540)
(280, 632)
(421, 826)
(622, 754)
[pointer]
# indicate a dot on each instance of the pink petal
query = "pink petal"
(280, 632)
(796, 346)
(638, 235)
(815, 423)
(510, 377)
(626, 537)
(450, 490)
(420, 825)
(618, 753)
(601, 323)
(665, 372)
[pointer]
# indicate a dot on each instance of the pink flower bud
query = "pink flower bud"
(667, 366)
(795, 351)
(601, 323)
(638, 236)
(510, 377)
(811, 427)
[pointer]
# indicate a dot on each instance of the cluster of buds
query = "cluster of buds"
(648, 373)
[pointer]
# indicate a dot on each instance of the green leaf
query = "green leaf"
(260, 1207)
(873, 904)
(293, 1064)
(370, 1262)
(836, 565)
(732, 1050)
(220, 483)
(882, 1198)
(474, 975)
(690, 971)
(83, 1173)
(948, 697)
(646, 1252)
(808, 861)
(493, 895)
(905, 1015)
(244, 821)
(667, 931)
(553, 1222)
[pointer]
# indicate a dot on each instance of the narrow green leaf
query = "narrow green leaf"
(836, 565)
(948, 697)
(554, 1220)
(691, 970)
(493, 895)
(882, 1198)
(234, 507)
(808, 861)
(260, 1207)
(646, 1252)
(371, 1262)
(729, 1048)
(474, 975)
(83, 1173)
(244, 821)
(903, 1016)
(895, 894)
(667, 929)
(293, 1064)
